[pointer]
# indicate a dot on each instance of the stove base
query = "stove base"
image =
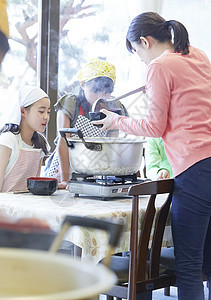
(104, 191)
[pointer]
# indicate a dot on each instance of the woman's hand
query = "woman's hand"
(108, 122)
(163, 174)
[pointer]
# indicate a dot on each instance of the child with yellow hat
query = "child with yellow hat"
(97, 79)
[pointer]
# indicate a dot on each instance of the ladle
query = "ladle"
(107, 103)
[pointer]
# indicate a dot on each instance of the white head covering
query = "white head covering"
(27, 95)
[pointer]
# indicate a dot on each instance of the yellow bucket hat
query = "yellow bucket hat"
(4, 26)
(97, 68)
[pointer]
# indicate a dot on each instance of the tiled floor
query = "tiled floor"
(159, 294)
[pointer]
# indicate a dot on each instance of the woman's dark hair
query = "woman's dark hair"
(152, 24)
(98, 85)
(4, 45)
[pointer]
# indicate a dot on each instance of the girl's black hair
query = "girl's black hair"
(98, 85)
(152, 24)
(4, 45)
(14, 128)
(38, 140)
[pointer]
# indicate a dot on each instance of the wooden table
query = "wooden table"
(53, 208)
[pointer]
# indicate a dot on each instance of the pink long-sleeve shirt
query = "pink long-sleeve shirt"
(179, 89)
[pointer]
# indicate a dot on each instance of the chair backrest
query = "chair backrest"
(140, 247)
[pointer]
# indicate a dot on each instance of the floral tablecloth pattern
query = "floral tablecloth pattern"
(94, 243)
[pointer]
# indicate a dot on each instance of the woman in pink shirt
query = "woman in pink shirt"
(179, 88)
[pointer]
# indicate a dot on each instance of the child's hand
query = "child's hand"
(63, 185)
(163, 174)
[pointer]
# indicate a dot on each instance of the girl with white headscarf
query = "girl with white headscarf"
(21, 146)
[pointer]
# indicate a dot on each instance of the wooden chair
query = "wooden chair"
(140, 272)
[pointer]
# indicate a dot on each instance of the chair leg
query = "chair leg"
(167, 291)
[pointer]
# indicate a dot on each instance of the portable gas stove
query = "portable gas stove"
(102, 186)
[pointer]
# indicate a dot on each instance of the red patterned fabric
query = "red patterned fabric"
(81, 112)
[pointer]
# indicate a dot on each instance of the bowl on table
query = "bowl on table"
(42, 185)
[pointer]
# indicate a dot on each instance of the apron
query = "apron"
(26, 165)
(88, 129)
(52, 168)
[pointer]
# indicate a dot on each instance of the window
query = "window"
(96, 29)
(20, 63)
(196, 16)
(92, 28)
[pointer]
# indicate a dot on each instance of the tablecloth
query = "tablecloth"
(94, 243)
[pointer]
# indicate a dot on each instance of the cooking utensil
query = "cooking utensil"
(90, 146)
(113, 229)
(37, 275)
(97, 115)
(103, 156)
(42, 185)
(21, 192)
(109, 104)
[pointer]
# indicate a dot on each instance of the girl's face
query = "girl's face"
(91, 97)
(141, 51)
(36, 117)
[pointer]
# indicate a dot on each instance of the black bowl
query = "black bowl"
(42, 185)
(96, 116)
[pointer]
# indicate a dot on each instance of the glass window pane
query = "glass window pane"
(97, 29)
(20, 63)
(196, 16)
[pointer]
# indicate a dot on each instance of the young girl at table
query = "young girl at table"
(22, 146)
(179, 87)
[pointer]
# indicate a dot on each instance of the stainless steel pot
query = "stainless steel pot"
(103, 156)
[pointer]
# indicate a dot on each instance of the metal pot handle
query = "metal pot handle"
(114, 230)
(90, 146)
